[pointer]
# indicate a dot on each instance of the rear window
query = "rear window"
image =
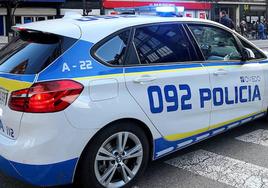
(32, 51)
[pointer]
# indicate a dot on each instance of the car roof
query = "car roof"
(95, 28)
(104, 27)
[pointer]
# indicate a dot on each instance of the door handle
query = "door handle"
(220, 72)
(144, 79)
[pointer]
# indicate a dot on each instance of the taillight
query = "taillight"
(44, 97)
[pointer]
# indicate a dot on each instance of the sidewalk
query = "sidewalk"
(3, 41)
(263, 44)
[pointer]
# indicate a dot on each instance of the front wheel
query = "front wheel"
(115, 157)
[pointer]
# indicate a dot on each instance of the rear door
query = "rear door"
(237, 87)
(164, 78)
(20, 63)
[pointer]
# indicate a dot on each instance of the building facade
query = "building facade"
(238, 10)
(37, 10)
(250, 11)
(92, 7)
(194, 9)
(28, 11)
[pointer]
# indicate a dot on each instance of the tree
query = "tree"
(11, 6)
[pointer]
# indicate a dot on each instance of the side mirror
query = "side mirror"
(248, 54)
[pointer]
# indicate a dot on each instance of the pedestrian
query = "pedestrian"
(265, 23)
(225, 20)
(243, 28)
(254, 30)
(261, 31)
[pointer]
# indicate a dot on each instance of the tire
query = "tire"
(117, 162)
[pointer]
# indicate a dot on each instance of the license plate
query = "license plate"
(3, 96)
(7, 131)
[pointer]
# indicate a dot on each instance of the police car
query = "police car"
(94, 99)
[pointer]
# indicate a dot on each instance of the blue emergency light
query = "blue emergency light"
(164, 11)
(168, 9)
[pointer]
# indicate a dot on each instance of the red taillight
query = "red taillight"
(44, 97)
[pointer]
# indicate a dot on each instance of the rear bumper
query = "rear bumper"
(46, 151)
(40, 175)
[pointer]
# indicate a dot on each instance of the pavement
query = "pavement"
(263, 44)
(237, 158)
(3, 41)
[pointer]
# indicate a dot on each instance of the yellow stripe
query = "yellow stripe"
(155, 72)
(138, 73)
(179, 136)
(13, 85)
(234, 120)
(98, 77)
(223, 66)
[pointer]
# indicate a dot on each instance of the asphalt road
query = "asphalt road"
(237, 158)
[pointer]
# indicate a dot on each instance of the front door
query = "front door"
(237, 87)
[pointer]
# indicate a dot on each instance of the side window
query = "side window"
(166, 43)
(113, 51)
(257, 53)
(216, 43)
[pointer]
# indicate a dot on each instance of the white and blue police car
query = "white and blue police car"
(93, 99)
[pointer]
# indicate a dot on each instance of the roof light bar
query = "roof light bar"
(141, 9)
(167, 10)
(180, 9)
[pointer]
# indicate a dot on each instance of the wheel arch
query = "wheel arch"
(137, 122)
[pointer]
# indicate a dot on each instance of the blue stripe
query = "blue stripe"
(264, 62)
(161, 144)
(221, 64)
(18, 77)
(231, 63)
(72, 58)
(40, 175)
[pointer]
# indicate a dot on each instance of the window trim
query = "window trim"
(94, 49)
(239, 38)
(132, 52)
(167, 63)
(239, 45)
(194, 42)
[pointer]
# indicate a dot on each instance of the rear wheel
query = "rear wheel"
(115, 157)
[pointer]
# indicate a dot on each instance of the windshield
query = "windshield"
(31, 52)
